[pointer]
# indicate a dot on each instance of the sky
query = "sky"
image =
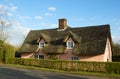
(26, 15)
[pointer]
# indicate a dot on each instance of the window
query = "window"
(39, 56)
(75, 58)
(41, 45)
(70, 45)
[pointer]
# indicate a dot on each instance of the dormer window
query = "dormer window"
(70, 43)
(41, 43)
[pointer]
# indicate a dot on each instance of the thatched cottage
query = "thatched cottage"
(92, 43)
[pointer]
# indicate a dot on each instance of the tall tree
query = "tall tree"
(116, 49)
(116, 52)
(6, 50)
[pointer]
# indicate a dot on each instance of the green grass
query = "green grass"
(83, 73)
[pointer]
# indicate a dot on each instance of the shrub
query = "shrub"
(6, 51)
(104, 67)
(1, 55)
(113, 67)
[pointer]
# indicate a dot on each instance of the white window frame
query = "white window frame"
(41, 44)
(37, 56)
(70, 45)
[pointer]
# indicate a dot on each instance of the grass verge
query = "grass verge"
(83, 73)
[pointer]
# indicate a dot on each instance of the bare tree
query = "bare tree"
(4, 22)
(3, 26)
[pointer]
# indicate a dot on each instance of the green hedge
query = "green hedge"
(6, 51)
(1, 55)
(113, 67)
(104, 67)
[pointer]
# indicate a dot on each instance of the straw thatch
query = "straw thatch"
(88, 40)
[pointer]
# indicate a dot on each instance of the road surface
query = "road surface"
(10, 72)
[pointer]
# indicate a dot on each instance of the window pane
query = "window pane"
(41, 45)
(41, 56)
(75, 58)
(70, 45)
(36, 56)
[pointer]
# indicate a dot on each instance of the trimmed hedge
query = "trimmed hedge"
(113, 67)
(104, 67)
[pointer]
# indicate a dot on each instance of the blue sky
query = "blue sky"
(25, 15)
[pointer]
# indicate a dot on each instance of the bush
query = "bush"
(6, 51)
(113, 67)
(1, 55)
(104, 67)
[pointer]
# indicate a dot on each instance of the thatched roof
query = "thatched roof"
(88, 40)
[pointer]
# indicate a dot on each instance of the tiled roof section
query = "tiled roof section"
(88, 40)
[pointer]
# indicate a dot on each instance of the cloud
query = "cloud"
(7, 11)
(52, 8)
(13, 8)
(38, 17)
(23, 17)
(3, 6)
(10, 14)
(11, 1)
(3, 10)
(17, 33)
(82, 19)
(49, 14)
(18, 28)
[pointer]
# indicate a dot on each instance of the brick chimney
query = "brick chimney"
(62, 23)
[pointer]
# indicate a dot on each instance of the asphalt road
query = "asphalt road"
(9, 72)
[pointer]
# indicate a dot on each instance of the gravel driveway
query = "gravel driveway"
(10, 72)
